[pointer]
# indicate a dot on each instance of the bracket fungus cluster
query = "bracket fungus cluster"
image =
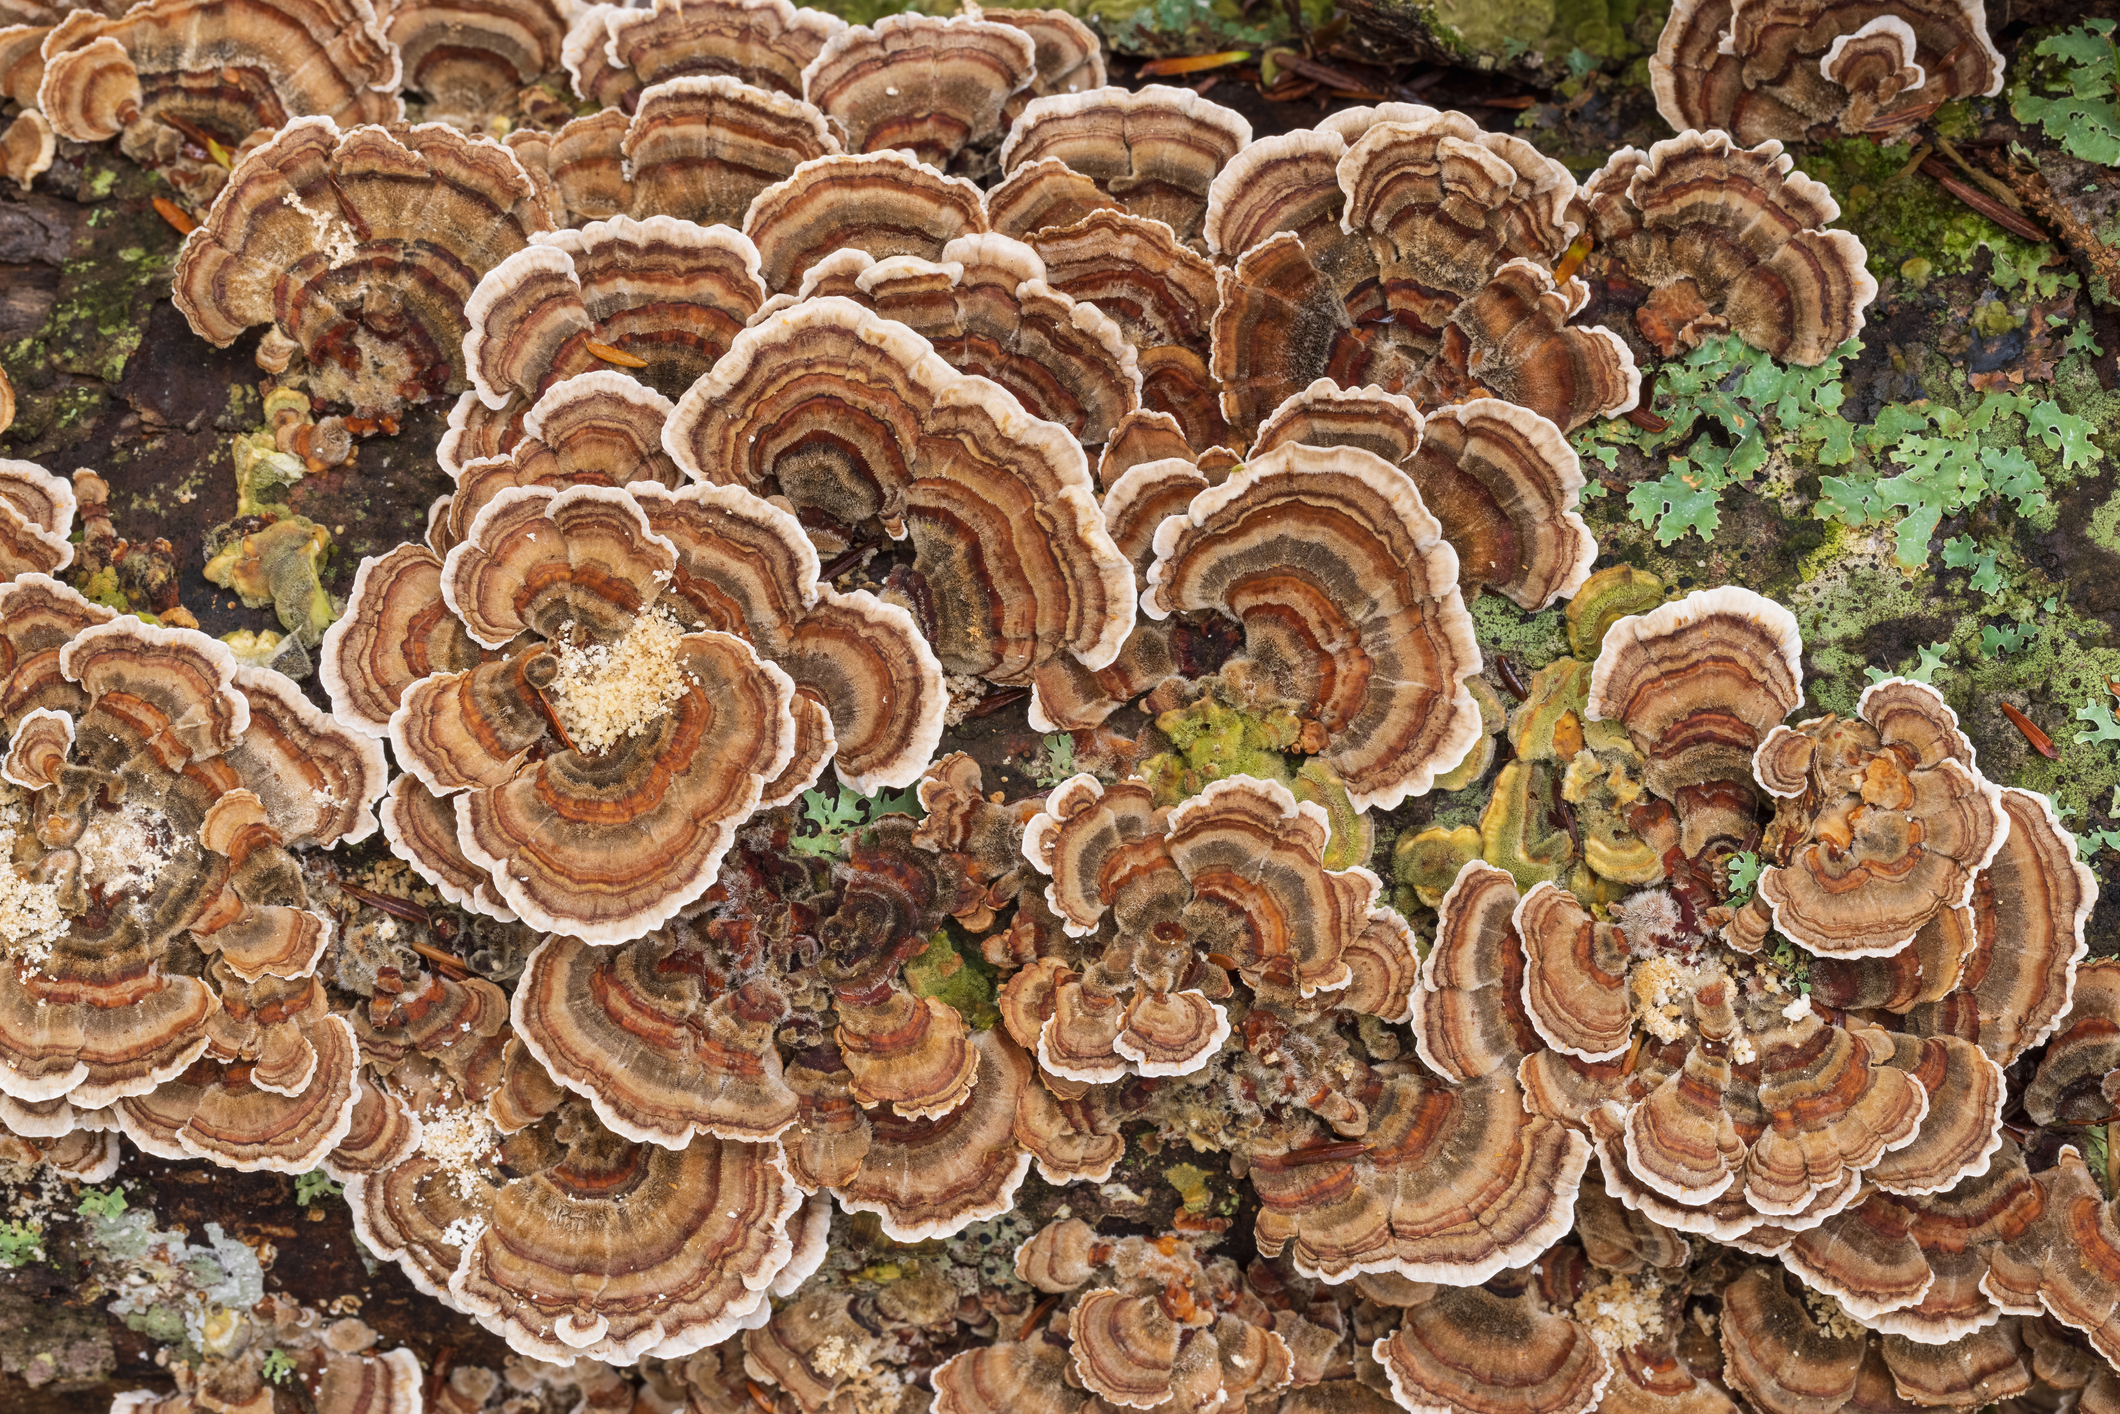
(806, 376)
(1791, 69)
(162, 953)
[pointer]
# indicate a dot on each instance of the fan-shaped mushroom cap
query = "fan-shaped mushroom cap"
(1893, 827)
(1349, 597)
(319, 780)
(745, 566)
(1285, 183)
(290, 58)
(470, 60)
(1737, 230)
(883, 203)
(1444, 204)
(601, 845)
(1455, 1183)
(1503, 483)
(1963, 1128)
(1010, 545)
(703, 147)
(613, 51)
(1124, 1348)
(1141, 437)
(395, 631)
(27, 147)
(1156, 150)
(1009, 1377)
(913, 1053)
(2075, 1082)
(1830, 1104)
(987, 309)
(1913, 1266)
(928, 85)
(316, 224)
(1327, 415)
(1785, 70)
(1044, 195)
(934, 1177)
(1061, 1256)
(634, 1030)
(1467, 1015)
(1512, 340)
(2036, 893)
(1575, 976)
(236, 1122)
(1282, 323)
(622, 1249)
(595, 429)
(1698, 683)
(1070, 57)
(1163, 296)
(2066, 1261)
(1468, 1351)
(384, 1131)
(421, 828)
(662, 290)
(36, 517)
(1779, 1355)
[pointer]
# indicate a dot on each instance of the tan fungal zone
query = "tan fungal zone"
(605, 692)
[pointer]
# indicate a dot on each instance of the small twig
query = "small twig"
(2012, 221)
(2081, 241)
(1987, 183)
(995, 701)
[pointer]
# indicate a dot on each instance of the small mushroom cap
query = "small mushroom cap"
(913, 1053)
(701, 148)
(1778, 1354)
(1060, 1256)
(633, 1031)
(257, 258)
(325, 57)
(856, 417)
(746, 566)
(1456, 1183)
(1444, 204)
(1512, 339)
(27, 147)
(885, 203)
(663, 290)
(2037, 893)
(319, 780)
(1903, 829)
(2072, 1084)
(1163, 296)
(1468, 1351)
(680, 788)
(934, 1177)
(1287, 182)
(1282, 324)
(1831, 1105)
(1043, 195)
(928, 85)
(623, 1249)
(395, 631)
(421, 828)
(1124, 1348)
(1739, 228)
(1157, 149)
(1338, 572)
(614, 52)
(1698, 683)
(1963, 1129)
(241, 1125)
(470, 61)
(36, 517)
(1575, 976)
(1503, 482)
(384, 1131)
(987, 309)
(1008, 1377)
(1467, 1016)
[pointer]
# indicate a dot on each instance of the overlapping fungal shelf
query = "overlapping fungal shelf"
(1140, 419)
